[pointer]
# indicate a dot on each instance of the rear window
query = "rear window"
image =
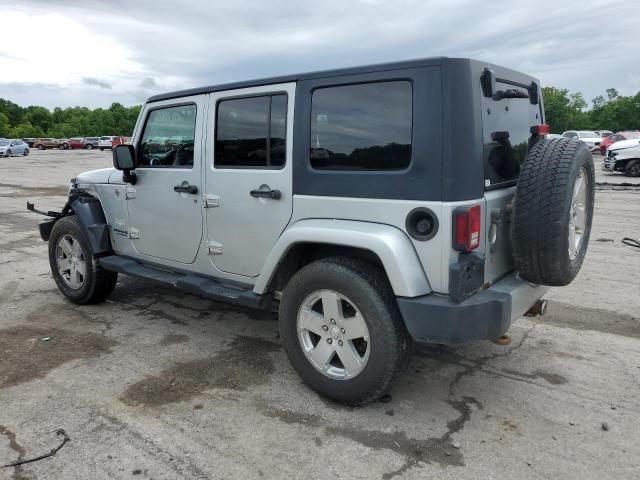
(362, 127)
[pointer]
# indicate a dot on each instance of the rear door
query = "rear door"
(165, 210)
(508, 116)
(248, 179)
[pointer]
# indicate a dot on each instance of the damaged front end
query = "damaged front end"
(45, 225)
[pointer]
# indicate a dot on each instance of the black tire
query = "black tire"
(542, 210)
(25, 152)
(8, 153)
(61, 147)
(632, 168)
(40, 147)
(98, 283)
(101, 149)
(368, 288)
(89, 146)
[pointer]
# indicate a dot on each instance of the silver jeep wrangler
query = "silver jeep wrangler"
(378, 206)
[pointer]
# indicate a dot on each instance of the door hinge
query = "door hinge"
(129, 193)
(211, 201)
(214, 248)
(134, 233)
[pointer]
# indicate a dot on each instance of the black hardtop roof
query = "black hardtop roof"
(424, 62)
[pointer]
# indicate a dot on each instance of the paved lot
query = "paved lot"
(164, 385)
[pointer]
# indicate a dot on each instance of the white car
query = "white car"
(105, 142)
(590, 138)
(623, 156)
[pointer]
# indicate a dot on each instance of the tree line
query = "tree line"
(564, 111)
(36, 121)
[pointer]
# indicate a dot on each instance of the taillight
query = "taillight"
(541, 130)
(466, 228)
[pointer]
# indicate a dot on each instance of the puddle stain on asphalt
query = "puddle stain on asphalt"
(25, 356)
(23, 191)
(16, 447)
(415, 451)
(583, 318)
(173, 339)
(549, 377)
(246, 363)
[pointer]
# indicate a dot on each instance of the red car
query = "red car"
(118, 141)
(616, 137)
(74, 143)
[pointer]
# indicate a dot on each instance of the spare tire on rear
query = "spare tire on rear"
(553, 210)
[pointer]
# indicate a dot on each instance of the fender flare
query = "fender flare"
(390, 244)
(89, 212)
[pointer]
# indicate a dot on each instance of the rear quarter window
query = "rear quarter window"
(362, 127)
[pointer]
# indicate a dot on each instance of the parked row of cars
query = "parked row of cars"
(105, 142)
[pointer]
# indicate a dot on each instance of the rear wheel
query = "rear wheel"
(88, 146)
(342, 330)
(553, 211)
(74, 269)
(61, 146)
(40, 147)
(25, 152)
(632, 168)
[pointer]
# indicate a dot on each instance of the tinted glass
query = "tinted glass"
(362, 127)
(168, 137)
(588, 134)
(251, 132)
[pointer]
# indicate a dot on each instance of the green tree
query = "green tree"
(5, 126)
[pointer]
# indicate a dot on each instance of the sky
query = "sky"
(95, 52)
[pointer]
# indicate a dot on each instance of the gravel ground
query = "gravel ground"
(159, 384)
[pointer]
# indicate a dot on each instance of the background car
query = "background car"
(74, 143)
(590, 138)
(617, 137)
(118, 141)
(44, 143)
(604, 133)
(553, 135)
(13, 147)
(29, 141)
(91, 142)
(106, 142)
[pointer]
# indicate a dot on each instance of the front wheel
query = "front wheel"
(74, 269)
(25, 152)
(342, 329)
(8, 153)
(89, 146)
(40, 147)
(632, 169)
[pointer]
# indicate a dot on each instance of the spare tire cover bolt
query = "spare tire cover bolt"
(329, 341)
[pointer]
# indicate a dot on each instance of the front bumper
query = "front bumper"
(487, 315)
(608, 164)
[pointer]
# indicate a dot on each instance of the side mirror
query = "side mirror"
(124, 159)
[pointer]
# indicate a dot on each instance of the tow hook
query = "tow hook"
(539, 309)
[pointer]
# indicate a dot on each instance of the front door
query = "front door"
(165, 208)
(248, 175)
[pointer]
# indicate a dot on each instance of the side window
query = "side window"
(251, 132)
(362, 127)
(168, 137)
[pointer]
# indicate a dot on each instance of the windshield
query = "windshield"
(3, 143)
(105, 138)
(588, 134)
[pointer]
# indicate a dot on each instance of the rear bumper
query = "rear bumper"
(486, 315)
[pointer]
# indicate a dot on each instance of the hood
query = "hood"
(95, 176)
(622, 144)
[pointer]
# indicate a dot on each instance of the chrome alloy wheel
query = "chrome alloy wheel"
(578, 213)
(71, 262)
(333, 335)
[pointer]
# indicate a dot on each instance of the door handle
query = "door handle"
(191, 189)
(273, 194)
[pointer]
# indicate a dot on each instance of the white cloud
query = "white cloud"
(582, 47)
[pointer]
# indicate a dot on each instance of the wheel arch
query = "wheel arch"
(309, 240)
(90, 214)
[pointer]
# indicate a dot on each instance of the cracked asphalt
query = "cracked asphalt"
(155, 383)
